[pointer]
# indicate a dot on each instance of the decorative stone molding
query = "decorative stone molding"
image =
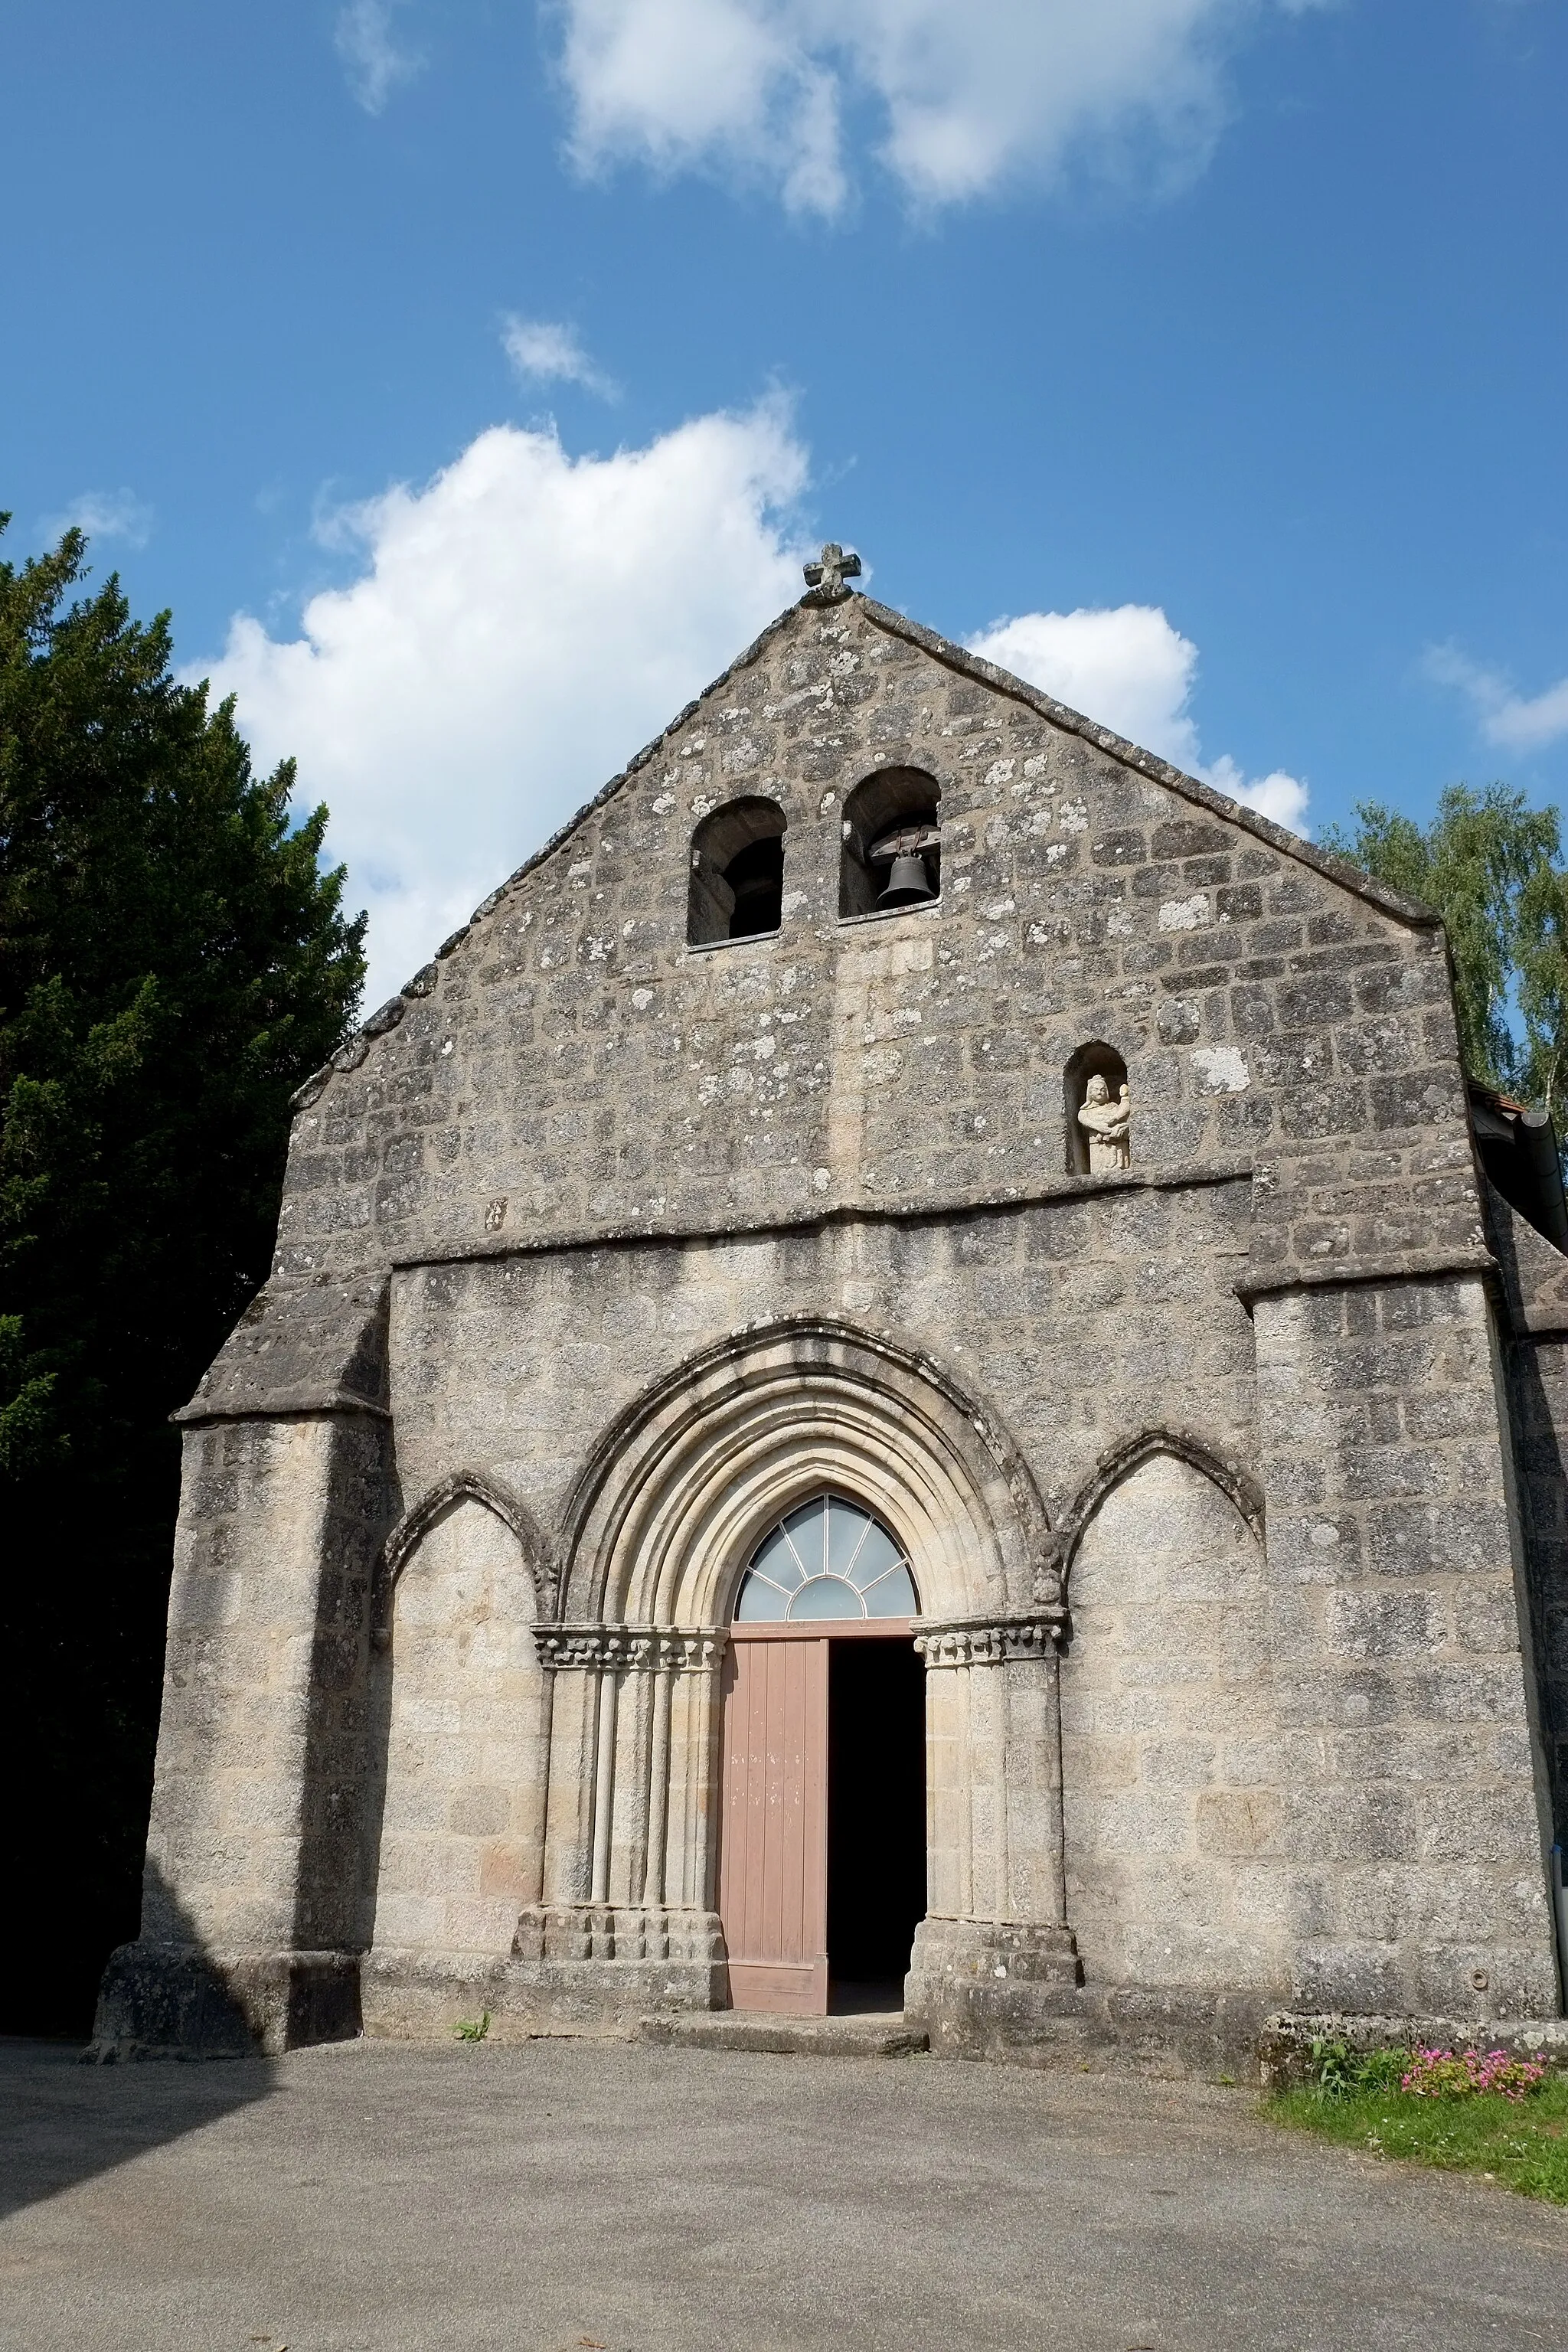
(282, 1404)
(610, 1931)
(992, 1641)
(629, 1649)
(1185, 1176)
(384, 1018)
(1347, 1273)
(681, 1485)
(351, 1053)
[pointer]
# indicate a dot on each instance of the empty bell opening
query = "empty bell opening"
(756, 879)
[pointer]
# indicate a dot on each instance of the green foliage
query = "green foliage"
(1339, 2073)
(1490, 865)
(1525, 2146)
(1380, 2070)
(474, 2028)
(173, 961)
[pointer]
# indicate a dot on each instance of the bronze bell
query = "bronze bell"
(908, 883)
(906, 854)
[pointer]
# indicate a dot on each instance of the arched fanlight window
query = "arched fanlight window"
(828, 1559)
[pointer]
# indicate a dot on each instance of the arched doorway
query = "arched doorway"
(669, 1509)
(822, 1857)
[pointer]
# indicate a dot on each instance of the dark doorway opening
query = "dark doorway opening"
(876, 1819)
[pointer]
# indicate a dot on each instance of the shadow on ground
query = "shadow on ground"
(61, 2122)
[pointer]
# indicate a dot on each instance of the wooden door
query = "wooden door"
(772, 1852)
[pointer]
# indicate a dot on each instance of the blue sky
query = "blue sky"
(1246, 314)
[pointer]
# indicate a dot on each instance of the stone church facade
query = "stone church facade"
(915, 1293)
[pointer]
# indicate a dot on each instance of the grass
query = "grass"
(1525, 2145)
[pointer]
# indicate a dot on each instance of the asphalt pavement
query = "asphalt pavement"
(558, 2195)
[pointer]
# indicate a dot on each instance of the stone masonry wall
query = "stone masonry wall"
(1171, 1755)
(1405, 1841)
(1414, 1817)
(1535, 1295)
(576, 1151)
(255, 1834)
(1082, 1321)
(571, 1068)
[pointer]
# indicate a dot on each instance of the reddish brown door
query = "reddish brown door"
(772, 1852)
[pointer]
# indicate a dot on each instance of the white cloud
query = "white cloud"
(372, 57)
(104, 514)
(1517, 722)
(543, 352)
(970, 94)
(521, 625)
(1126, 667)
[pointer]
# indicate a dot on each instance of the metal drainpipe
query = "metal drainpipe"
(1560, 1911)
(1539, 1150)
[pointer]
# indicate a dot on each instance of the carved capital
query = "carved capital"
(992, 1641)
(629, 1649)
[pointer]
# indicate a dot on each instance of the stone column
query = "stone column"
(632, 1797)
(690, 1842)
(994, 1944)
(628, 1840)
(573, 1658)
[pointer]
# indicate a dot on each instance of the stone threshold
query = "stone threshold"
(880, 2036)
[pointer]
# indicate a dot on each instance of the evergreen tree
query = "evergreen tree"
(173, 961)
(1491, 867)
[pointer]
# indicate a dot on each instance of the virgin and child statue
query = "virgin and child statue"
(1108, 1125)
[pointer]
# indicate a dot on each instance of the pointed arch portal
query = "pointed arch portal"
(678, 1727)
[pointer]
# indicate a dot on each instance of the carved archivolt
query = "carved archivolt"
(1123, 1459)
(681, 1488)
(462, 1486)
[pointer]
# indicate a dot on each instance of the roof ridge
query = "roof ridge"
(1149, 763)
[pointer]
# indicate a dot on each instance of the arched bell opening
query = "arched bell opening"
(1097, 1110)
(737, 873)
(891, 857)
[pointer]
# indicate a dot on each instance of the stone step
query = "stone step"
(881, 2035)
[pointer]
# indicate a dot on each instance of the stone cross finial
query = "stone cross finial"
(824, 581)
